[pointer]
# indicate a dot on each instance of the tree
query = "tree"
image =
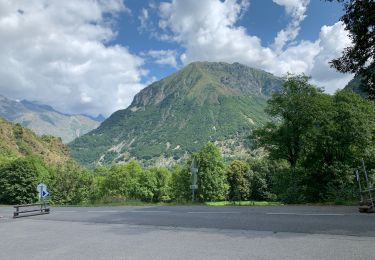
(18, 181)
(212, 181)
(322, 137)
(261, 178)
(238, 180)
(293, 110)
(359, 20)
(337, 144)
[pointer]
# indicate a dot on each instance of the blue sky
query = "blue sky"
(93, 56)
(263, 18)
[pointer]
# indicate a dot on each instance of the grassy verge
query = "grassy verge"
(215, 203)
(141, 203)
(244, 203)
(336, 203)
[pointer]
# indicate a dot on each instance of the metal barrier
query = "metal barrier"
(42, 209)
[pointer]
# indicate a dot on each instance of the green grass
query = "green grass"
(141, 203)
(244, 203)
(335, 203)
(215, 203)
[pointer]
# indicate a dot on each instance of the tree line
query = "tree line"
(72, 184)
(323, 138)
(311, 148)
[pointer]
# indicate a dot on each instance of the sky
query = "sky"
(92, 56)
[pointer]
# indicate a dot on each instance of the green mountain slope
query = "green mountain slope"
(203, 102)
(44, 119)
(17, 141)
(356, 84)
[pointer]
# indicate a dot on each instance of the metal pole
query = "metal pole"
(359, 181)
(368, 184)
(193, 194)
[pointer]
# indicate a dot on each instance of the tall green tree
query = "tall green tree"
(322, 137)
(293, 111)
(238, 173)
(359, 58)
(337, 144)
(212, 180)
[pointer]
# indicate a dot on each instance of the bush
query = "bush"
(70, 184)
(163, 184)
(180, 184)
(18, 182)
(288, 186)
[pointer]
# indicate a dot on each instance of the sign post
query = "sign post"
(42, 189)
(194, 177)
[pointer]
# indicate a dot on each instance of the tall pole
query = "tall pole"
(194, 177)
(368, 184)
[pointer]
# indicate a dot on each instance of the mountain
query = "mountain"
(17, 141)
(100, 118)
(43, 119)
(205, 101)
(356, 84)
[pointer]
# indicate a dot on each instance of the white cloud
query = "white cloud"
(296, 9)
(207, 30)
(332, 40)
(143, 19)
(57, 52)
(163, 57)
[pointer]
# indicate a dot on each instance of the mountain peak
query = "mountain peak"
(36, 106)
(204, 81)
(204, 101)
(44, 119)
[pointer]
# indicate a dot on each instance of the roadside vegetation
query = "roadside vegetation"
(311, 149)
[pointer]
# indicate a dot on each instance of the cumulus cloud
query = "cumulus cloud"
(296, 9)
(57, 52)
(332, 41)
(162, 57)
(207, 30)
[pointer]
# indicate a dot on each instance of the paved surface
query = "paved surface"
(190, 232)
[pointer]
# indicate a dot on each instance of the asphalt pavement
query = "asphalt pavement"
(186, 232)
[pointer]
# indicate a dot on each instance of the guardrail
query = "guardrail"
(42, 209)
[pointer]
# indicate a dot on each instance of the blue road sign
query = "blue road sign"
(45, 193)
(42, 189)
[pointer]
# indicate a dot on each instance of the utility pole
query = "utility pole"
(194, 177)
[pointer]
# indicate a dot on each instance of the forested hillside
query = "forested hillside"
(17, 141)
